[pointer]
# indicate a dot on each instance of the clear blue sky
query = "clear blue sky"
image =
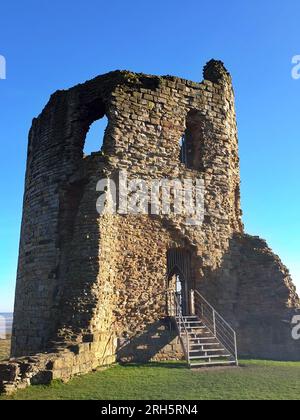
(52, 45)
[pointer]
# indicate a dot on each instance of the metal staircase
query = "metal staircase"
(207, 339)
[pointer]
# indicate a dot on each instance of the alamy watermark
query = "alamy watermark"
(296, 327)
(296, 67)
(179, 197)
(2, 67)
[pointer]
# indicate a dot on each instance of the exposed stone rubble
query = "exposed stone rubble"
(91, 288)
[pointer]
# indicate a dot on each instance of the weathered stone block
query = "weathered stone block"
(9, 372)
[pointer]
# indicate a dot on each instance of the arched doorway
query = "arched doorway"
(179, 277)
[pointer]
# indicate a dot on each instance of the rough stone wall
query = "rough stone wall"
(97, 282)
(254, 291)
(147, 117)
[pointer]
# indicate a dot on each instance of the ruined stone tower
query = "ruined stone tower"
(90, 287)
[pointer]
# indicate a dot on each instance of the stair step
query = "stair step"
(199, 338)
(192, 334)
(214, 356)
(201, 329)
(193, 329)
(204, 338)
(229, 363)
(203, 344)
(188, 320)
(206, 350)
(196, 327)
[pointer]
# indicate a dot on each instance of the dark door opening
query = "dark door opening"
(181, 292)
(179, 277)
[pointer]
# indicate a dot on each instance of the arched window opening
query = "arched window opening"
(192, 144)
(95, 136)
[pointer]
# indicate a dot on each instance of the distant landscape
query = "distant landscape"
(6, 320)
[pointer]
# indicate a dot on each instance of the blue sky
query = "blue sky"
(52, 45)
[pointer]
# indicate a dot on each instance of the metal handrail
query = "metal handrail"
(217, 324)
(181, 322)
(216, 312)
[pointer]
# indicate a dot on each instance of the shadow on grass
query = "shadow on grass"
(168, 365)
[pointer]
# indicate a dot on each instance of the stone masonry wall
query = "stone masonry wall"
(254, 291)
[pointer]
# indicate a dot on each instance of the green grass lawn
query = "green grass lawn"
(254, 380)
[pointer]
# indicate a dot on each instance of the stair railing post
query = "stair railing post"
(214, 320)
(235, 349)
(188, 347)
